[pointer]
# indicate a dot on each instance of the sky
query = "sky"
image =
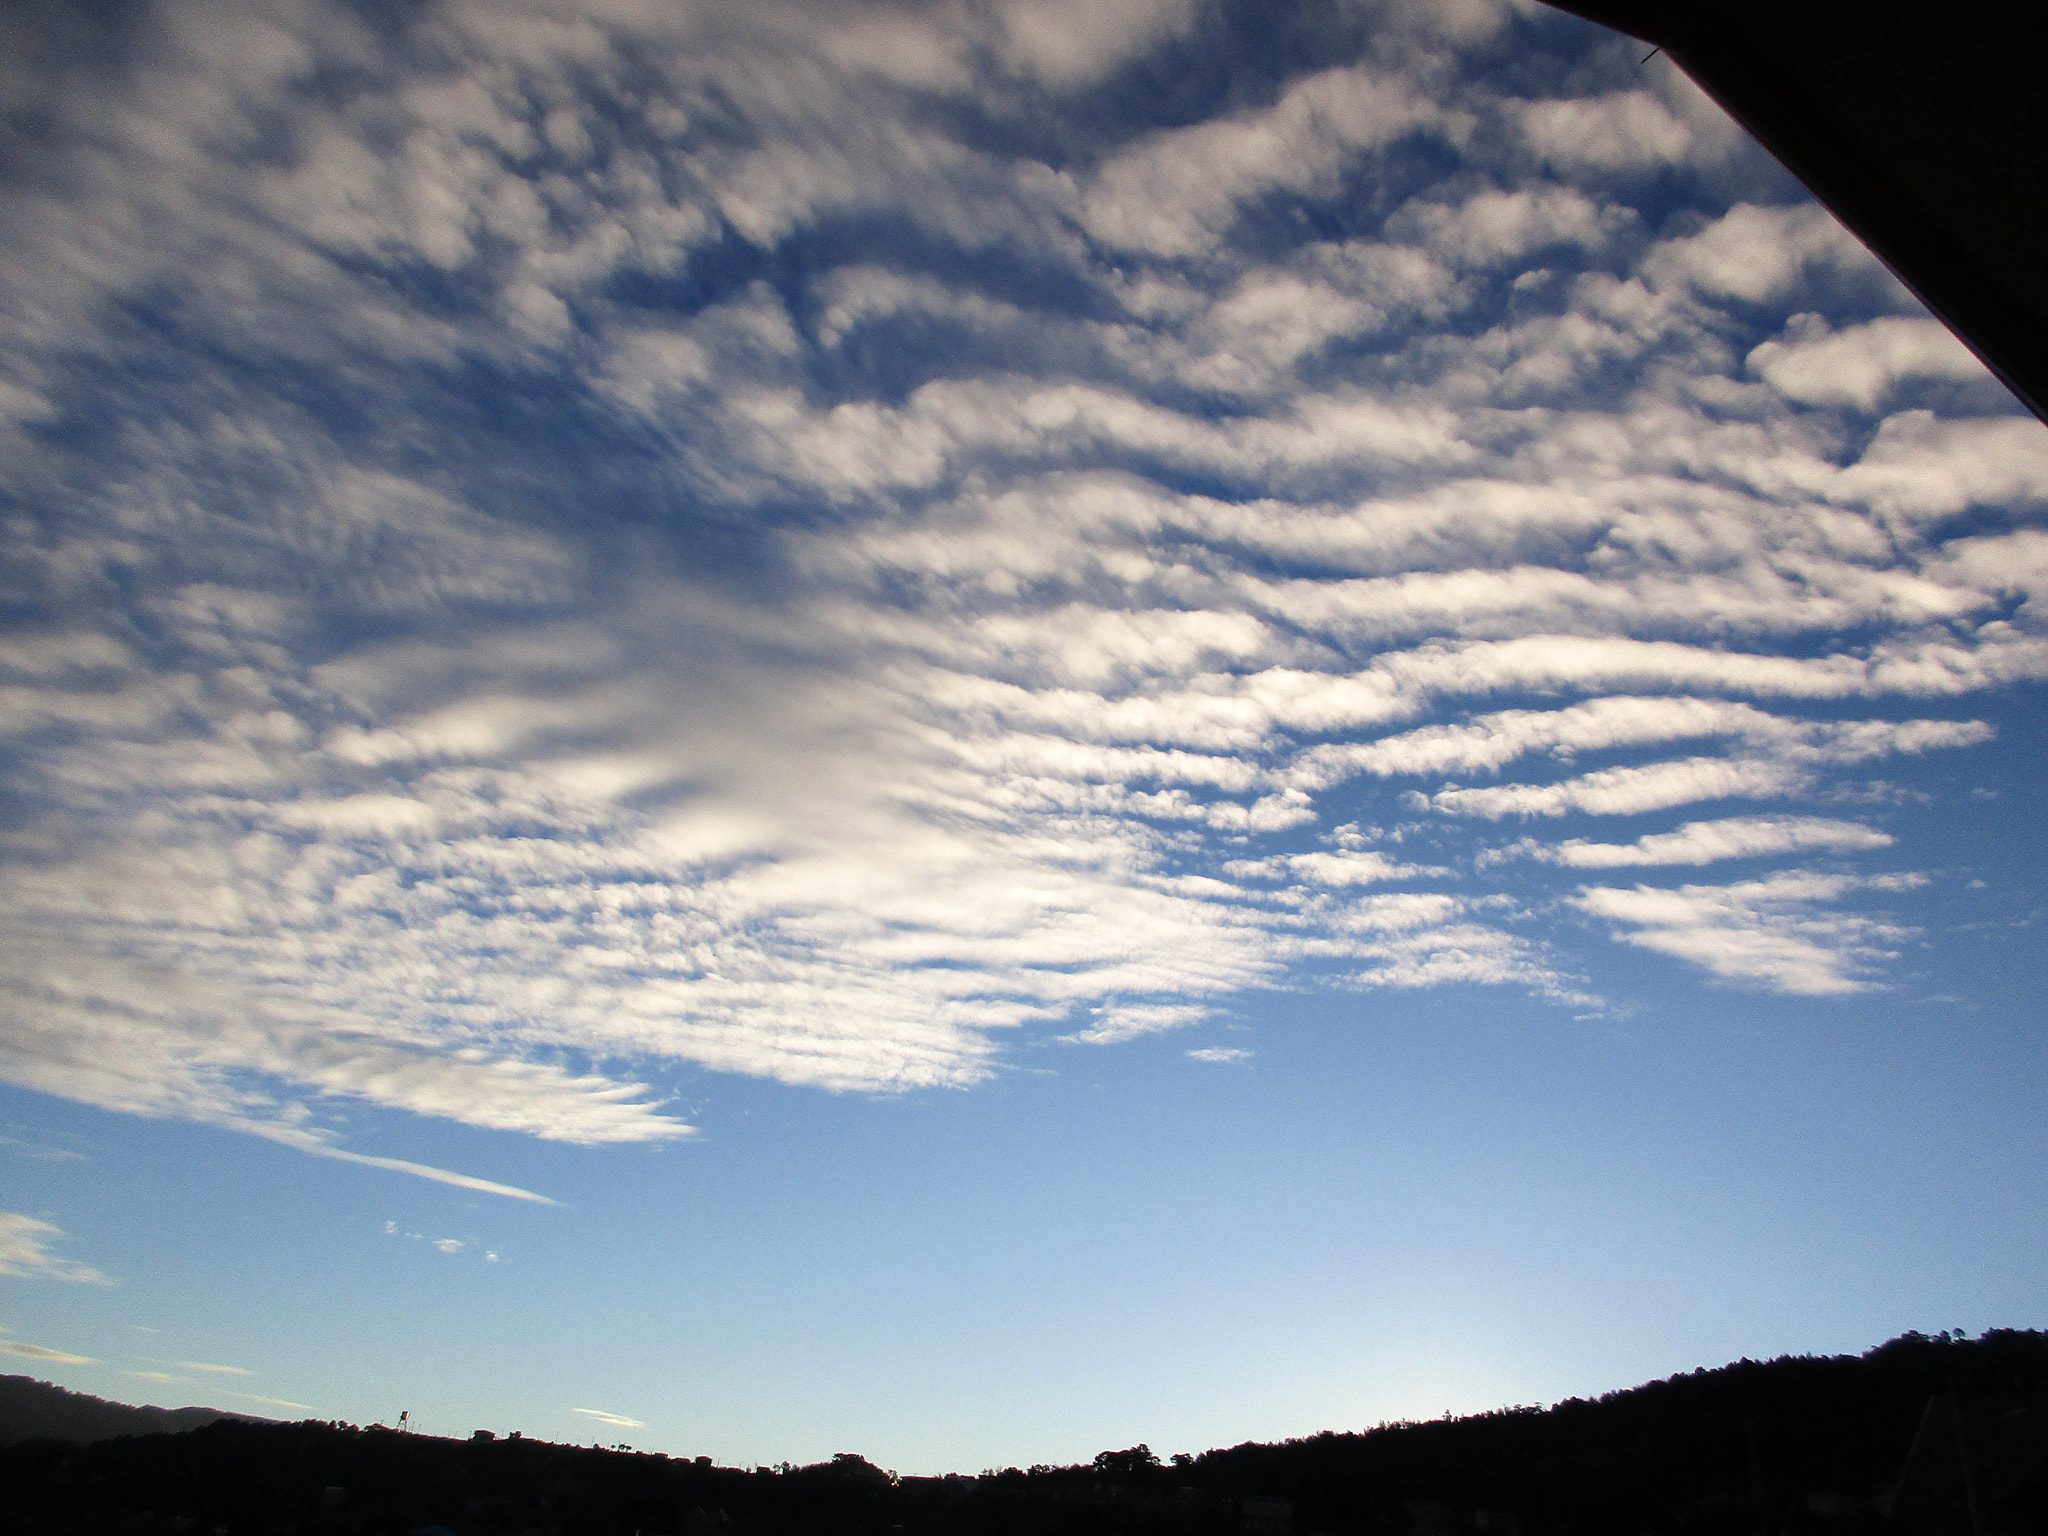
(976, 731)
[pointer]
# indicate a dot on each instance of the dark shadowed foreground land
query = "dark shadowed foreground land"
(1919, 1435)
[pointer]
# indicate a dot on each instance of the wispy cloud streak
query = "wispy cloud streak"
(42, 1354)
(25, 1252)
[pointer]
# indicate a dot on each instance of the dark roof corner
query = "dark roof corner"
(1923, 128)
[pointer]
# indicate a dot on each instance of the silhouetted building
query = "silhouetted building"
(1266, 1517)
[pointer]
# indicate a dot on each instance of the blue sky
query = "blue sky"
(975, 731)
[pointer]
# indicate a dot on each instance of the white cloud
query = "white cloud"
(1219, 1053)
(1627, 791)
(615, 1420)
(42, 1353)
(1490, 742)
(1172, 195)
(131, 1038)
(1623, 129)
(1492, 227)
(1921, 466)
(1771, 933)
(1756, 254)
(274, 1402)
(1460, 954)
(1072, 42)
(1859, 365)
(1351, 867)
(25, 1252)
(1704, 842)
(40, 1152)
(1796, 748)
(213, 1370)
(1117, 1022)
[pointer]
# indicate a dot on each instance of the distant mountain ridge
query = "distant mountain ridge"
(39, 1410)
(1918, 1437)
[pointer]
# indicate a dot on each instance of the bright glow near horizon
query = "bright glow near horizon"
(974, 732)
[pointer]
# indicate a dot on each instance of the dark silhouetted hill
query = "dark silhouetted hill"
(36, 1410)
(1900, 1441)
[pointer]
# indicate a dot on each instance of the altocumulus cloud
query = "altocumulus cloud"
(547, 545)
